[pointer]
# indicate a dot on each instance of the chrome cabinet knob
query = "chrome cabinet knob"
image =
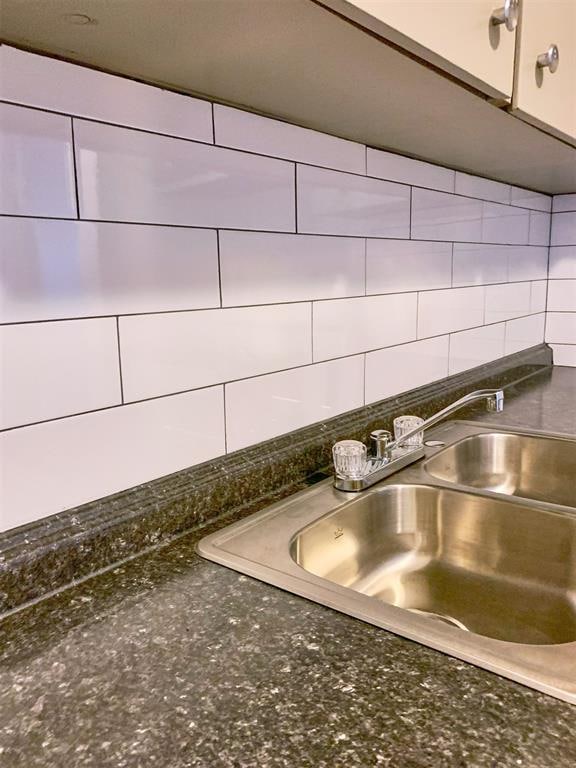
(507, 15)
(550, 59)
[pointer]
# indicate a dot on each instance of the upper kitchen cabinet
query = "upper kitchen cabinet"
(472, 40)
(545, 92)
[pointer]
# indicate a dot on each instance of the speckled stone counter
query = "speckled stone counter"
(172, 661)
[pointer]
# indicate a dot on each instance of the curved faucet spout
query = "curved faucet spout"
(494, 402)
(390, 456)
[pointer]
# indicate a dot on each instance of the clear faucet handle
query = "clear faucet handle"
(404, 425)
(349, 459)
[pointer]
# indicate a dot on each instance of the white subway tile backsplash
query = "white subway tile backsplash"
(127, 175)
(86, 457)
(539, 233)
(484, 189)
(564, 354)
(478, 264)
(524, 332)
(172, 352)
(506, 301)
(339, 274)
(527, 262)
(60, 269)
(441, 312)
(263, 135)
(561, 304)
(563, 262)
(261, 408)
(263, 268)
(476, 347)
(407, 265)
(528, 199)
(398, 369)
(441, 216)
(505, 224)
(76, 90)
(538, 296)
(563, 229)
(36, 168)
(56, 369)
(387, 165)
(561, 327)
(564, 203)
(562, 296)
(335, 203)
(348, 326)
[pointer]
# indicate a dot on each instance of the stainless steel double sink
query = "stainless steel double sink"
(472, 551)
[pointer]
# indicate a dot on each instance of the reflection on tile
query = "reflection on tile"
(348, 326)
(480, 264)
(538, 296)
(61, 269)
(562, 296)
(387, 165)
(476, 347)
(244, 130)
(484, 189)
(483, 264)
(444, 311)
(36, 168)
(127, 175)
(334, 203)
(168, 353)
(527, 262)
(563, 229)
(476, 264)
(524, 332)
(263, 268)
(407, 265)
(539, 228)
(561, 327)
(563, 262)
(505, 224)
(528, 199)
(83, 458)
(440, 216)
(76, 90)
(564, 203)
(261, 408)
(398, 369)
(503, 302)
(51, 370)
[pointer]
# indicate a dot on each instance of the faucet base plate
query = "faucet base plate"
(401, 457)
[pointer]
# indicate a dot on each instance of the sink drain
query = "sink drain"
(441, 617)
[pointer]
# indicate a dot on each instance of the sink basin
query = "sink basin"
(529, 466)
(494, 568)
(445, 552)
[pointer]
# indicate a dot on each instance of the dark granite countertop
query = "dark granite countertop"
(172, 661)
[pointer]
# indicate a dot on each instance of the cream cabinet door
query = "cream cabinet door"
(454, 35)
(542, 96)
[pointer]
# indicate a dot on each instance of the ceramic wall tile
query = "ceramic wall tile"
(37, 168)
(266, 268)
(177, 351)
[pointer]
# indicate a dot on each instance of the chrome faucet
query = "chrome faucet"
(494, 402)
(391, 455)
